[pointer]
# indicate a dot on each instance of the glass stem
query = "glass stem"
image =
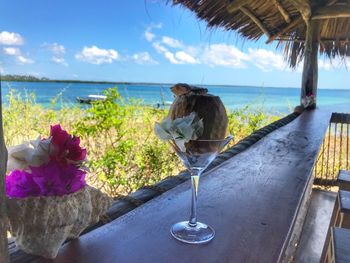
(194, 180)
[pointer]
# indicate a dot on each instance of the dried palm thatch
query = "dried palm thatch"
(283, 20)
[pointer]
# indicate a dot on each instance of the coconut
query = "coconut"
(208, 107)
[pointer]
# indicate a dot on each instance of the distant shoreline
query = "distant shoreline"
(7, 78)
(129, 83)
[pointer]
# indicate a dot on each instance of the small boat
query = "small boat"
(162, 105)
(91, 98)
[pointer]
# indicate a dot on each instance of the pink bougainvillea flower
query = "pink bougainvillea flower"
(67, 146)
(59, 137)
(57, 180)
(51, 179)
(59, 174)
(20, 184)
(75, 152)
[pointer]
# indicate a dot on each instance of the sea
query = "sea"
(272, 100)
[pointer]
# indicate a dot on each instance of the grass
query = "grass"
(123, 152)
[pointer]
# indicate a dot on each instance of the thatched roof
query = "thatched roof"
(282, 20)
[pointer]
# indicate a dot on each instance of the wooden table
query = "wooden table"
(341, 240)
(253, 201)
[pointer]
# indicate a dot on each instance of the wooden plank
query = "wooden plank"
(335, 11)
(344, 180)
(3, 161)
(282, 11)
(316, 226)
(341, 241)
(236, 5)
(256, 20)
(124, 205)
(251, 200)
(344, 201)
(304, 8)
(284, 30)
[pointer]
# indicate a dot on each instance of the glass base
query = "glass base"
(199, 234)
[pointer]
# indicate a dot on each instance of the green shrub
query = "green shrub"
(123, 152)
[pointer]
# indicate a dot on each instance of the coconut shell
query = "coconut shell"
(208, 107)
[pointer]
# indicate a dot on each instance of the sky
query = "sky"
(140, 41)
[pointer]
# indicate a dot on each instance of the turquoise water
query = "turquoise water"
(272, 100)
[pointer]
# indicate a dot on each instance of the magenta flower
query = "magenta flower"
(67, 146)
(20, 184)
(55, 179)
(51, 179)
(75, 152)
(59, 174)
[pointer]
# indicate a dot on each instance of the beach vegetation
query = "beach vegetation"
(123, 152)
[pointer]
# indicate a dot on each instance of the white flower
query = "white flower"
(308, 100)
(32, 153)
(181, 130)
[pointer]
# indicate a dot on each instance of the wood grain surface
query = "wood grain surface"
(251, 200)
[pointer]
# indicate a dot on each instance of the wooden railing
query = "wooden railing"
(335, 151)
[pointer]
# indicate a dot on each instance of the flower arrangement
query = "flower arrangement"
(180, 130)
(48, 198)
(46, 167)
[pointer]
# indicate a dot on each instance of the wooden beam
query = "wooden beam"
(285, 29)
(256, 20)
(3, 161)
(286, 39)
(336, 11)
(310, 69)
(283, 11)
(235, 5)
(303, 6)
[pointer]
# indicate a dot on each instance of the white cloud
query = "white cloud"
(16, 52)
(97, 56)
(149, 35)
(212, 55)
(185, 58)
(55, 48)
(179, 57)
(59, 60)
(172, 42)
(144, 58)
(171, 57)
(11, 51)
(326, 65)
(159, 48)
(58, 52)
(23, 60)
(10, 38)
(165, 52)
(224, 55)
(267, 60)
(334, 63)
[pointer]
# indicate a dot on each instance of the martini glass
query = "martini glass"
(197, 156)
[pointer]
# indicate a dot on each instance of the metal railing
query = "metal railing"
(335, 151)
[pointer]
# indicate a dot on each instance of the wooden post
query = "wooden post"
(310, 70)
(3, 161)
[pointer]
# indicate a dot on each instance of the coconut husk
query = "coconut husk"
(208, 107)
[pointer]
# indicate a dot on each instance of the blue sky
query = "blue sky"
(139, 41)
